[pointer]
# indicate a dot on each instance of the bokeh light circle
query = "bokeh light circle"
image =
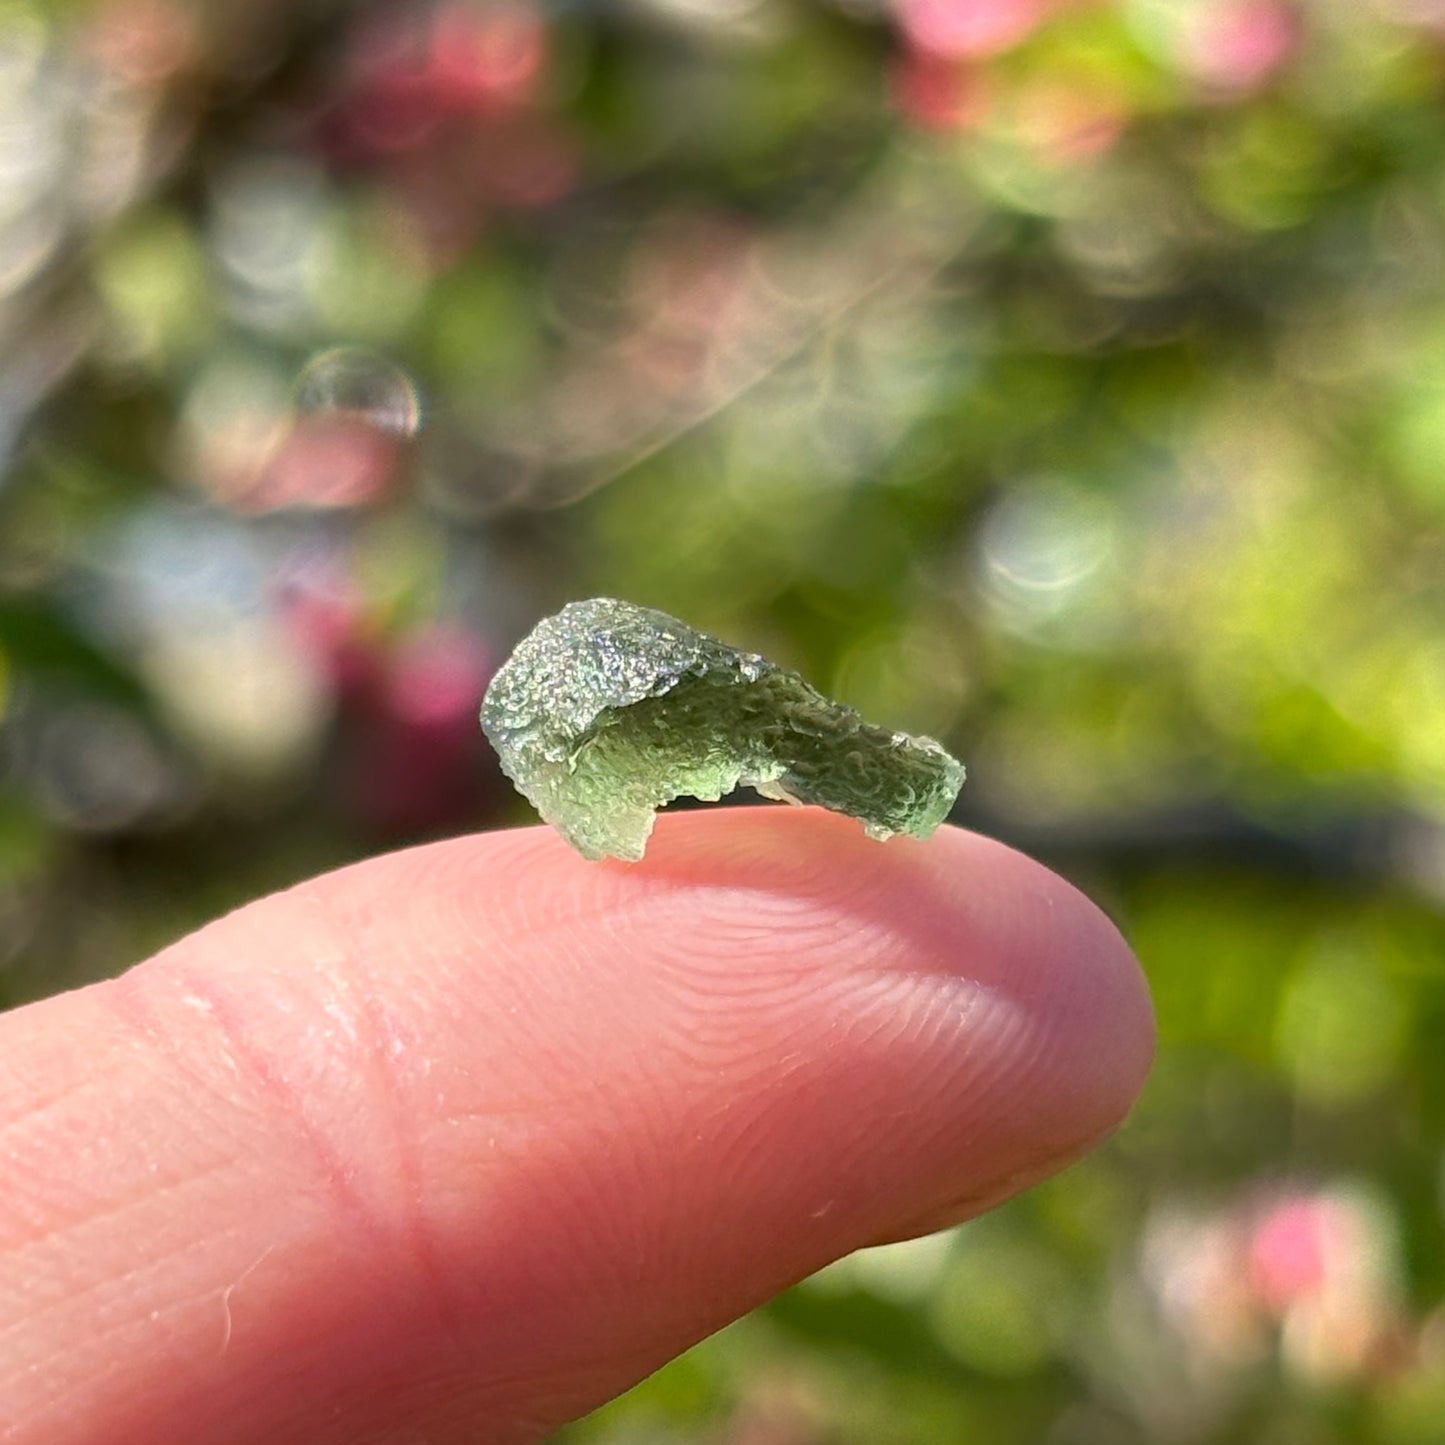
(353, 384)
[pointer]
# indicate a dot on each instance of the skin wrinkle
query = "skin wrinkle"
(289, 1107)
(703, 980)
(372, 1035)
(108, 1217)
(588, 1194)
(940, 1017)
(129, 1000)
(385, 1043)
(515, 913)
(30, 1215)
(702, 1031)
(582, 1178)
(306, 1349)
(705, 1039)
(748, 915)
(401, 1222)
(784, 879)
(108, 1347)
(665, 1004)
(1007, 1074)
(893, 1009)
(1031, 1059)
(100, 1364)
(760, 1070)
(35, 1108)
(746, 1149)
(509, 997)
(744, 1111)
(548, 1276)
(43, 1222)
(39, 1114)
(159, 1264)
(889, 1011)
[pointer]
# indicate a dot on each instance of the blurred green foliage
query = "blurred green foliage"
(1065, 378)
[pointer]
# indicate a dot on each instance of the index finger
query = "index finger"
(457, 1143)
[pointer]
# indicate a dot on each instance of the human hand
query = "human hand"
(457, 1143)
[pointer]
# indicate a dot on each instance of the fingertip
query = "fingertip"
(1061, 1031)
(958, 905)
(1061, 1026)
(978, 910)
(1087, 1042)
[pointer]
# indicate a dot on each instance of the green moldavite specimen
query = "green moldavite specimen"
(609, 710)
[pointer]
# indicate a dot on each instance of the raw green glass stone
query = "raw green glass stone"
(609, 710)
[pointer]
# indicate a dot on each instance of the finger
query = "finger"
(456, 1143)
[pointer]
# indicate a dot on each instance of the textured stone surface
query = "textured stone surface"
(609, 710)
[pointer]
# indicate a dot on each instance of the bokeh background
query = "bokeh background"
(1063, 378)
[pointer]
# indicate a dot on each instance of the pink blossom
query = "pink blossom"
(437, 676)
(338, 460)
(1290, 1249)
(414, 762)
(325, 613)
(486, 58)
(1315, 1271)
(957, 28)
(937, 93)
(1238, 45)
(409, 77)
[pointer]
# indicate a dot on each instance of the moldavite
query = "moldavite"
(609, 710)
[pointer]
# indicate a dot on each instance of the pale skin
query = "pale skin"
(455, 1144)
